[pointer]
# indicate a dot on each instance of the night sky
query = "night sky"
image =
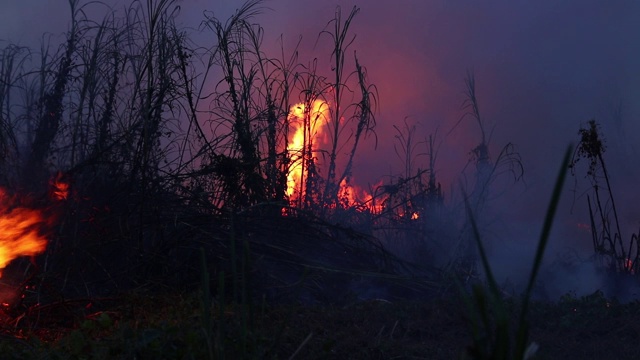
(543, 69)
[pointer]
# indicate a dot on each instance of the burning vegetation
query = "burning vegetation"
(310, 124)
(21, 231)
(237, 188)
(24, 226)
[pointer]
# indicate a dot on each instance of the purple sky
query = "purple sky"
(542, 69)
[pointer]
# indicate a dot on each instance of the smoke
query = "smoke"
(542, 68)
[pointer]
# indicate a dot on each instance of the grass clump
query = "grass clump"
(489, 320)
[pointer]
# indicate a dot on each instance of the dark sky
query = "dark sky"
(543, 69)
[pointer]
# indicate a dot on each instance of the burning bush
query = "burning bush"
(21, 230)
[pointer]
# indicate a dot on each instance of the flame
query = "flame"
(308, 125)
(22, 227)
(347, 194)
(59, 188)
(308, 131)
(352, 195)
(415, 215)
(19, 231)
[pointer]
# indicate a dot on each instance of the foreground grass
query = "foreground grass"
(169, 326)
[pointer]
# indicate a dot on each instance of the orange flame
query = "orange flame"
(59, 188)
(308, 131)
(409, 214)
(308, 126)
(352, 195)
(19, 231)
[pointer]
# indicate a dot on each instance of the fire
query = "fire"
(59, 188)
(22, 228)
(19, 231)
(405, 215)
(351, 195)
(308, 125)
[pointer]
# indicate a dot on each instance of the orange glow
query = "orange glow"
(59, 188)
(19, 231)
(351, 195)
(347, 194)
(414, 214)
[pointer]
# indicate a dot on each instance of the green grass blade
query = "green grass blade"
(522, 334)
(548, 221)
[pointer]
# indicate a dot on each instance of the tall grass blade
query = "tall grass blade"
(495, 343)
(522, 336)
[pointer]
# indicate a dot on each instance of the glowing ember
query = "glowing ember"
(59, 188)
(19, 231)
(405, 215)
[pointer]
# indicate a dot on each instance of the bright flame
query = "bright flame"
(308, 125)
(402, 214)
(352, 195)
(19, 231)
